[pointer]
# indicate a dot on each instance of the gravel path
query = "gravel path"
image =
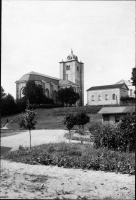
(23, 181)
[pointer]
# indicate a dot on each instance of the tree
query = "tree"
(2, 93)
(68, 96)
(133, 78)
(28, 122)
(33, 92)
(8, 105)
(80, 120)
(69, 121)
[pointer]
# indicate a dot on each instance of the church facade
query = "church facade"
(71, 75)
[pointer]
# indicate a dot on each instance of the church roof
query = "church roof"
(34, 76)
(107, 87)
(66, 83)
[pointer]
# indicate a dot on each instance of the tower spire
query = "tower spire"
(71, 51)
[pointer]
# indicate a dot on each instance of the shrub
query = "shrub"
(74, 156)
(120, 136)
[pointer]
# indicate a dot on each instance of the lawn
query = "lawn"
(50, 118)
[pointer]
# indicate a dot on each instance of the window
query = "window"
(113, 96)
(106, 97)
(99, 98)
(131, 92)
(77, 68)
(92, 97)
(106, 118)
(47, 93)
(68, 67)
(117, 118)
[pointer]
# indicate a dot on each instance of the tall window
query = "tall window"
(77, 68)
(113, 96)
(106, 97)
(99, 97)
(92, 97)
(131, 92)
(47, 93)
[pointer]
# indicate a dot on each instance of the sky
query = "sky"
(37, 35)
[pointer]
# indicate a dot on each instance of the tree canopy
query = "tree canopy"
(2, 93)
(133, 77)
(68, 96)
(33, 92)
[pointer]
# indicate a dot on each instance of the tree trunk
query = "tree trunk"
(30, 138)
(69, 136)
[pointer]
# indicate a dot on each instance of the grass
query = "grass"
(51, 118)
(69, 155)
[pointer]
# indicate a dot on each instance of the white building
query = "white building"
(106, 94)
(130, 87)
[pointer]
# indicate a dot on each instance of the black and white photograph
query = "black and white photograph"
(68, 99)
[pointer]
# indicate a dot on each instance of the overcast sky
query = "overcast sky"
(37, 35)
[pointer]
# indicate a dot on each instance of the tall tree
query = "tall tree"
(33, 92)
(68, 96)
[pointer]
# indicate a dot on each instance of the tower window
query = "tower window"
(68, 67)
(77, 68)
(131, 92)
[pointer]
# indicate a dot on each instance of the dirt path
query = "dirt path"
(23, 181)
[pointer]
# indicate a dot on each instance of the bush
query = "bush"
(120, 136)
(74, 156)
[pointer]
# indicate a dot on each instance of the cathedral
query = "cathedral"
(71, 75)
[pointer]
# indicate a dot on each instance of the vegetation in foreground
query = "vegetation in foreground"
(70, 155)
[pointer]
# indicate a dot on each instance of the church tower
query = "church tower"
(72, 70)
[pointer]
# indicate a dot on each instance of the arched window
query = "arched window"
(106, 97)
(21, 92)
(131, 92)
(99, 97)
(92, 97)
(113, 96)
(47, 93)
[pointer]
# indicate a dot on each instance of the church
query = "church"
(71, 75)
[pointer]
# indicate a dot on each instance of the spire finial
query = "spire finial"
(71, 51)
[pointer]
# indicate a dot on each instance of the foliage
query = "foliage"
(127, 128)
(120, 136)
(127, 99)
(133, 77)
(2, 93)
(70, 155)
(28, 122)
(69, 121)
(47, 100)
(80, 120)
(33, 92)
(8, 105)
(68, 96)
